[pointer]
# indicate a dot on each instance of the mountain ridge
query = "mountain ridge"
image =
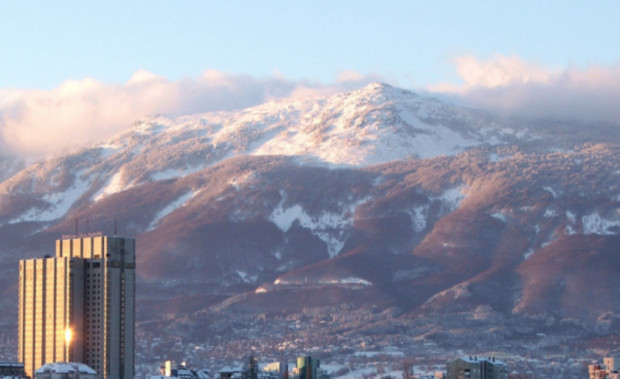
(376, 200)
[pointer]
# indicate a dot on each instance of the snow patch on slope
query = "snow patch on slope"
(452, 197)
(570, 230)
(595, 224)
(173, 173)
(237, 182)
(247, 278)
(115, 185)
(59, 203)
(500, 216)
(284, 218)
(528, 253)
(571, 218)
(418, 217)
(349, 280)
(327, 226)
(550, 213)
(108, 148)
(459, 291)
(551, 191)
(411, 274)
(180, 202)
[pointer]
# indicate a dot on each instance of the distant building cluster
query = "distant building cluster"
(77, 320)
(306, 368)
(477, 368)
(610, 369)
(169, 370)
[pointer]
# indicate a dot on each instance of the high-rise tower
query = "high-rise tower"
(80, 306)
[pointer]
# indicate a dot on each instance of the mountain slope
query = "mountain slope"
(377, 200)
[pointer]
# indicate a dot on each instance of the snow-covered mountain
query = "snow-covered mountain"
(376, 124)
(377, 197)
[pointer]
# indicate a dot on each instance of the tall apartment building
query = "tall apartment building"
(79, 306)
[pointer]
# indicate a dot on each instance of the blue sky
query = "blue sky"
(88, 69)
(412, 42)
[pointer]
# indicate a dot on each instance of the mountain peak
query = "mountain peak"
(386, 91)
(375, 124)
(382, 88)
(377, 86)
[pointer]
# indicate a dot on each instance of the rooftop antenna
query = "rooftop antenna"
(76, 226)
(87, 224)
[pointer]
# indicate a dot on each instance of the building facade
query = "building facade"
(309, 368)
(79, 306)
(474, 368)
(12, 369)
(609, 370)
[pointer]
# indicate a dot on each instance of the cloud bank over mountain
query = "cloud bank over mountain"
(513, 86)
(36, 123)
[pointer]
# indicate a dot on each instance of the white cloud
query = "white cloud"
(37, 123)
(497, 72)
(513, 86)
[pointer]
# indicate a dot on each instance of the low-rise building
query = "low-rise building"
(12, 370)
(477, 368)
(168, 369)
(231, 373)
(610, 369)
(65, 370)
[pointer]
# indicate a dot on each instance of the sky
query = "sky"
(87, 70)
